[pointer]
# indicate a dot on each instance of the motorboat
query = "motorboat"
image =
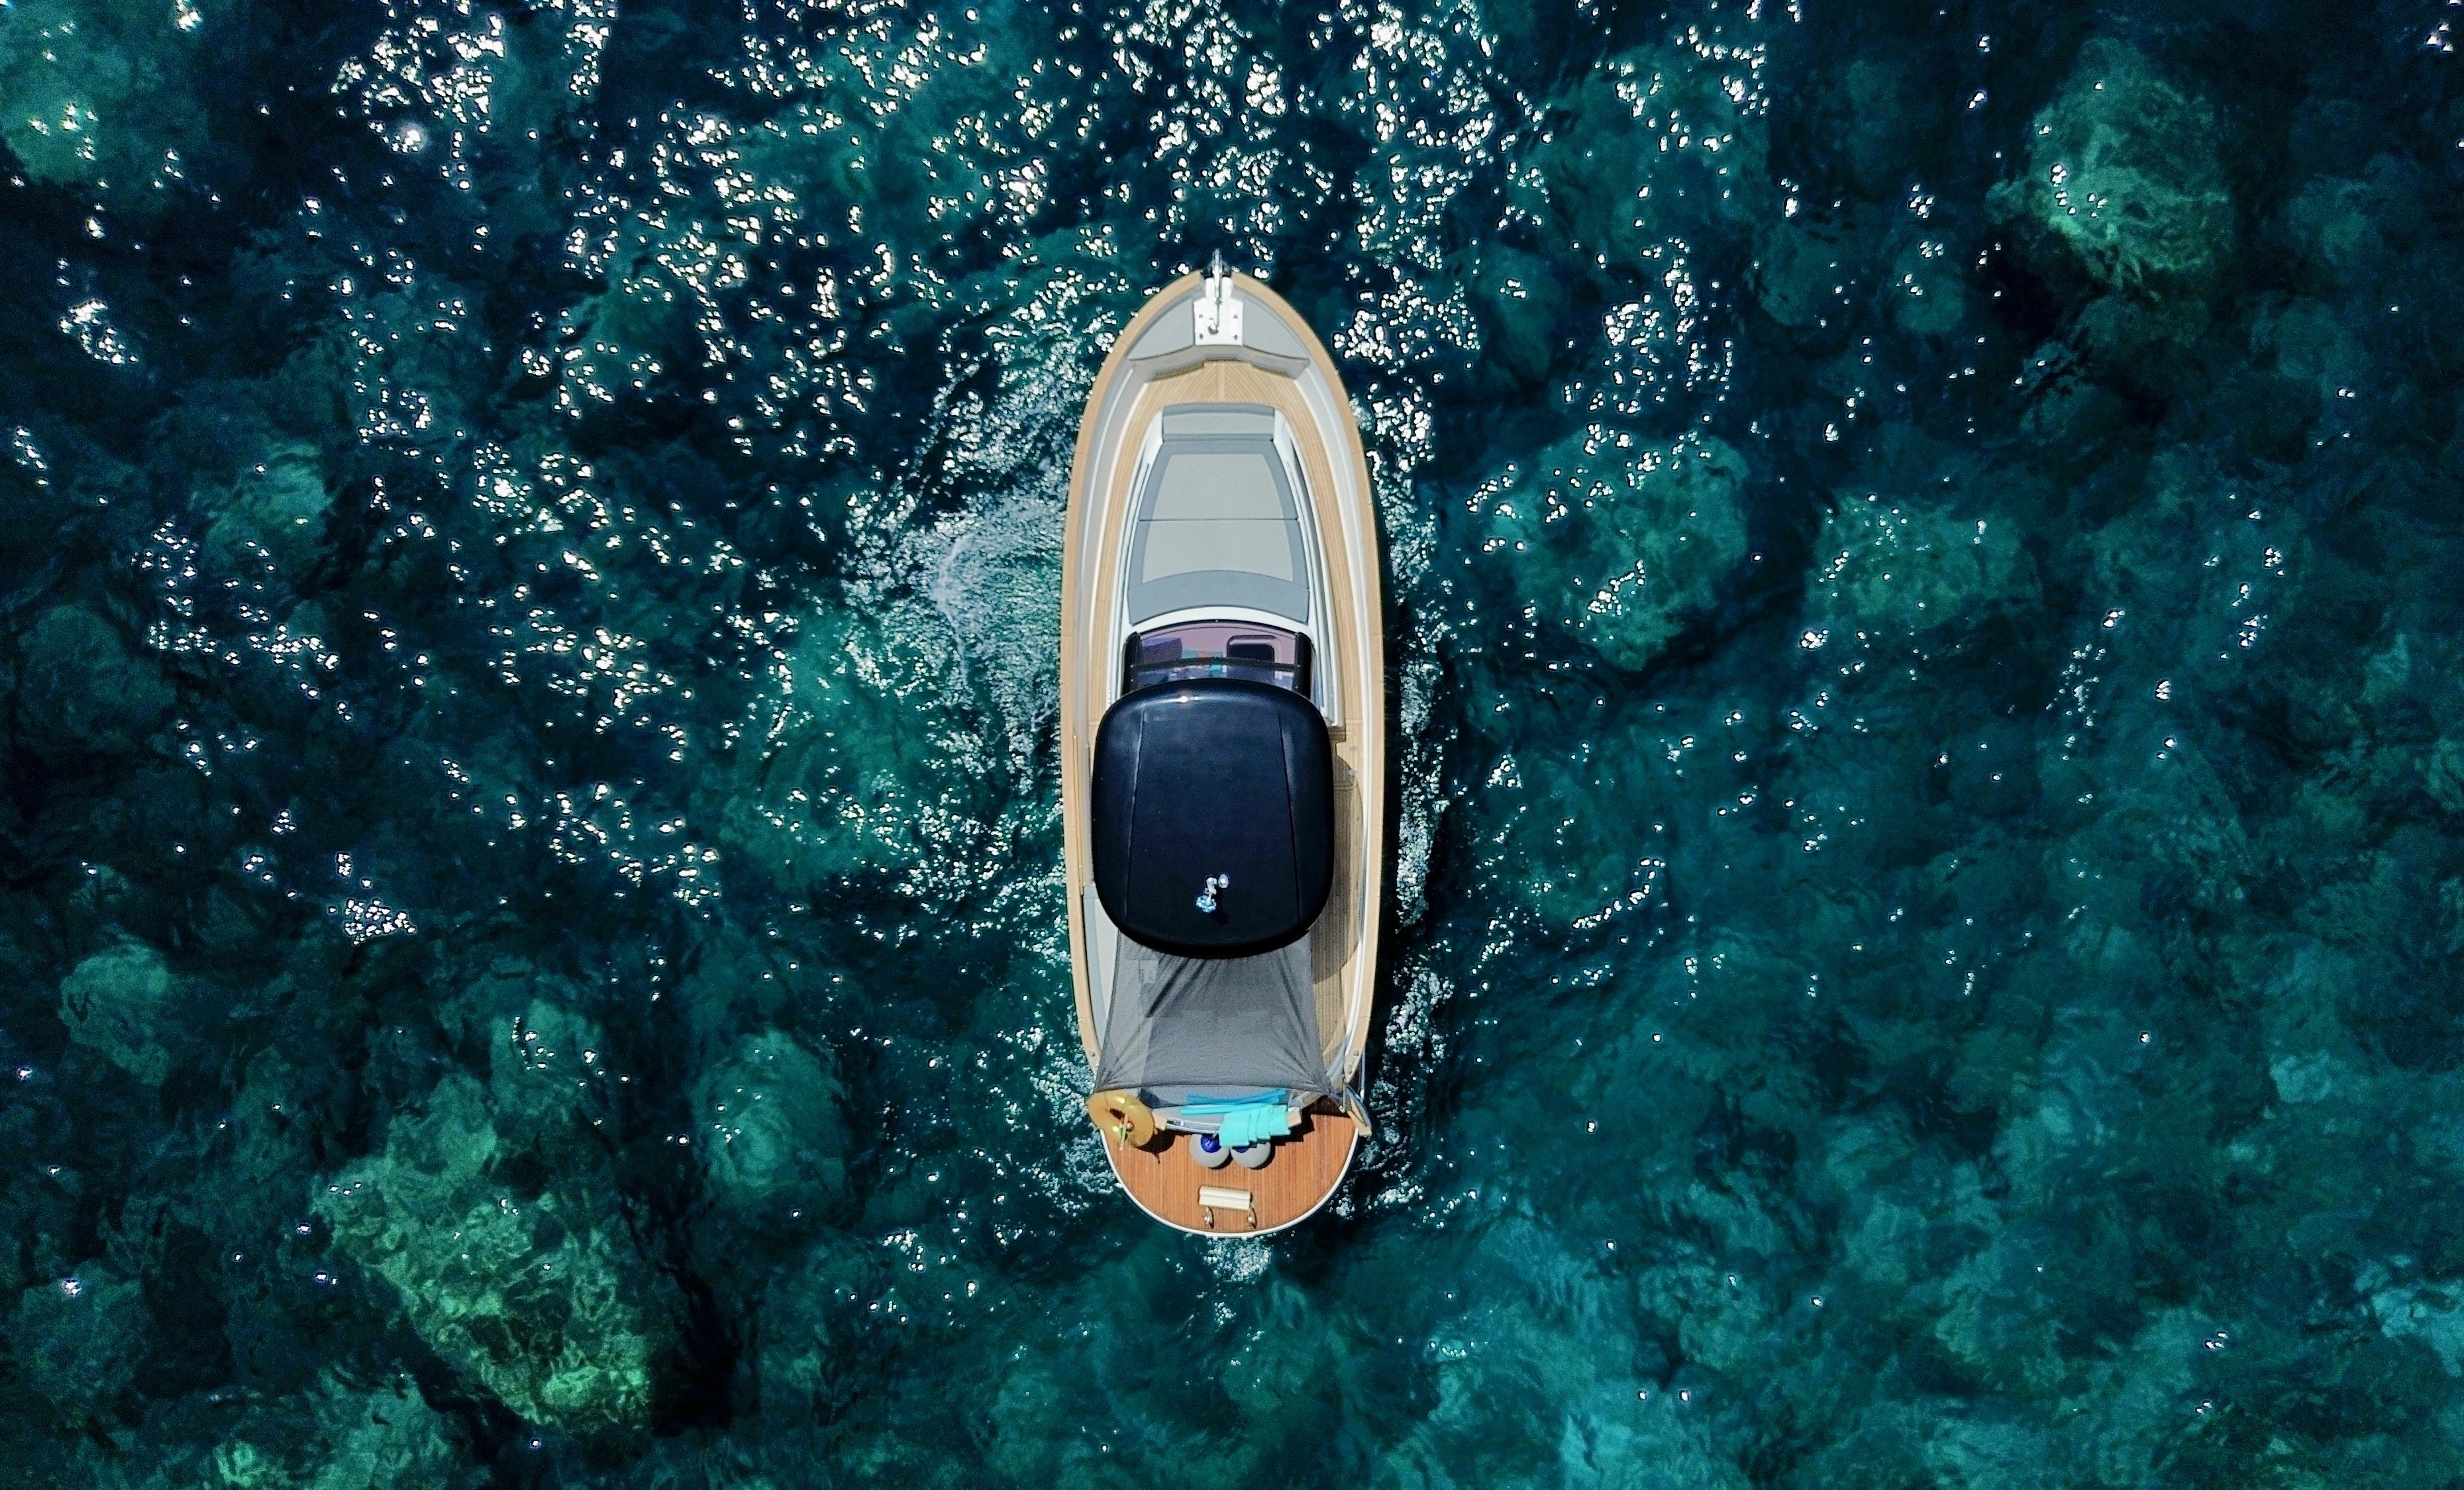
(1222, 758)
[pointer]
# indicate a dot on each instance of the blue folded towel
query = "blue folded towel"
(1246, 1120)
(1255, 1125)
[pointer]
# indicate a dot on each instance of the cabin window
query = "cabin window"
(1217, 649)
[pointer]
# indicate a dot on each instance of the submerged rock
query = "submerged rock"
(256, 486)
(1569, 830)
(849, 761)
(279, 503)
(1522, 305)
(626, 340)
(540, 1299)
(1926, 293)
(97, 91)
(1884, 108)
(83, 690)
(545, 1080)
(1622, 544)
(772, 1138)
(78, 1341)
(1657, 142)
(119, 1003)
(343, 1436)
(2123, 182)
(2351, 231)
(2313, 347)
(1891, 571)
(1802, 270)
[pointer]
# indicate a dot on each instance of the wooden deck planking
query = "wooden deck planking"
(1305, 1171)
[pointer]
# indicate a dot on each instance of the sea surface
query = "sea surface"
(1924, 556)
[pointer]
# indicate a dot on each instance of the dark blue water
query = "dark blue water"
(1923, 550)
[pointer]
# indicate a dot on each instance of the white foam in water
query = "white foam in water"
(1238, 1260)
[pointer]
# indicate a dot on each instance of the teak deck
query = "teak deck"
(1335, 472)
(1164, 1180)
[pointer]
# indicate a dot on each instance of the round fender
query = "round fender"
(1121, 1114)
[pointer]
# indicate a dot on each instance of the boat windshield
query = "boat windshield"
(1217, 649)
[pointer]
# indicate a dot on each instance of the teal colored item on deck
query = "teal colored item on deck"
(1247, 1120)
(1255, 1125)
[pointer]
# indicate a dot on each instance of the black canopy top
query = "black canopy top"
(1214, 778)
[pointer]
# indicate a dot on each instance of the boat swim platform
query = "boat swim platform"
(1165, 1177)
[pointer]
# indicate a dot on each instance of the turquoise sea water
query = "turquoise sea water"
(1923, 552)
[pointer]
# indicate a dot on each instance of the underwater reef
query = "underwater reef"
(1927, 941)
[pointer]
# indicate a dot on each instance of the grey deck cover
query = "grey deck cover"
(1218, 523)
(1211, 1022)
